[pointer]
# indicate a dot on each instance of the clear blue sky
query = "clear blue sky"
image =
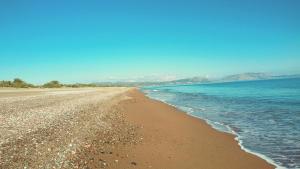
(101, 40)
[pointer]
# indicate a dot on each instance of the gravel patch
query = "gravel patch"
(61, 128)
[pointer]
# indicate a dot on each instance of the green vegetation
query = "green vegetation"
(52, 84)
(17, 83)
(81, 85)
(4, 83)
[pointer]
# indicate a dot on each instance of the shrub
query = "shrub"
(53, 84)
(4, 83)
(18, 83)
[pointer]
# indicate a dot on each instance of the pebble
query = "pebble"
(133, 163)
(87, 146)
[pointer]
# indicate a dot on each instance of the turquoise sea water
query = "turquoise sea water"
(264, 115)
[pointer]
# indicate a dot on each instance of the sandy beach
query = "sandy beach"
(109, 128)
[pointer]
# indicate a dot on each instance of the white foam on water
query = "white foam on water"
(240, 143)
(239, 140)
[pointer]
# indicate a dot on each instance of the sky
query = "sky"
(97, 40)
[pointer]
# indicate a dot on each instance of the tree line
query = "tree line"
(19, 83)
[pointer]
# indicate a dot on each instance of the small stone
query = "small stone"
(133, 163)
(116, 161)
(87, 146)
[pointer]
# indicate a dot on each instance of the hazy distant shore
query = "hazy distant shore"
(109, 128)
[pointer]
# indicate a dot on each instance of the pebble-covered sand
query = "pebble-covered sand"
(63, 128)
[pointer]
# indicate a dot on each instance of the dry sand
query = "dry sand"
(109, 128)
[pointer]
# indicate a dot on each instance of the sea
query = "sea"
(264, 115)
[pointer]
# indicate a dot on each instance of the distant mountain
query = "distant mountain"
(256, 76)
(189, 80)
(197, 80)
(246, 76)
(286, 76)
(192, 80)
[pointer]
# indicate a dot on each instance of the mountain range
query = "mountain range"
(197, 80)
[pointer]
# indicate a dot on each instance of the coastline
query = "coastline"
(230, 131)
(174, 139)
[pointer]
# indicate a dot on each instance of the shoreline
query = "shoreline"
(228, 148)
(232, 132)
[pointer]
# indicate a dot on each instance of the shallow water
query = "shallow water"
(265, 115)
